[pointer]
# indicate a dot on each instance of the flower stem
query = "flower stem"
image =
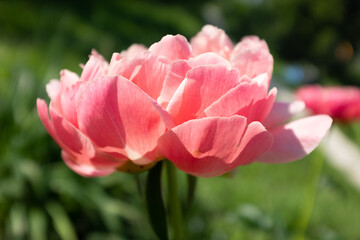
(174, 202)
(309, 203)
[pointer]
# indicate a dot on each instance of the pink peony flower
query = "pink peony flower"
(205, 106)
(341, 103)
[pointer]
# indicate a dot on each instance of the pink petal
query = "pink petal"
(250, 42)
(208, 58)
(255, 142)
(73, 141)
(68, 99)
(202, 86)
(211, 39)
(83, 169)
(77, 144)
(53, 89)
(64, 133)
(239, 100)
(44, 116)
(116, 64)
(133, 50)
(296, 139)
(341, 103)
(94, 68)
(282, 112)
(172, 47)
(261, 109)
(68, 137)
(147, 71)
(179, 70)
(203, 147)
(68, 78)
(172, 81)
(210, 147)
(120, 118)
(252, 61)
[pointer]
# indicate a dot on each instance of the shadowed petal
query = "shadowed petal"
(296, 139)
(255, 142)
(282, 112)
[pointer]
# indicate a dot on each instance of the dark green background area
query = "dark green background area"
(40, 198)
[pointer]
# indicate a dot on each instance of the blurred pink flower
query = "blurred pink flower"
(341, 103)
(205, 106)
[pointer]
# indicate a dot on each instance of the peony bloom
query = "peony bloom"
(204, 105)
(341, 103)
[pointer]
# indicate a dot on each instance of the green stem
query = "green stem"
(174, 202)
(309, 202)
(138, 184)
(191, 180)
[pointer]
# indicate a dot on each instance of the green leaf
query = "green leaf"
(18, 221)
(38, 224)
(154, 202)
(61, 221)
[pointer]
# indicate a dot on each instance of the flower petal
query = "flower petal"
(208, 58)
(172, 47)
(252, 58)
(341, 103)
(255, 142)
(146, 70)
(204, 147)
(78, 145)
(282, 112)
(44, 116)
(211, 39)
(68, 98)
(133, 50)
(296, 139)
(83, 153)
(53, 89)
(120, 118)
(178, 72)
(172, 81)
(246, 99)
(95, 67)
(202, 86)
(84, 169)
(68, 78)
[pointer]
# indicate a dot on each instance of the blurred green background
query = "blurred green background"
(312, 41)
